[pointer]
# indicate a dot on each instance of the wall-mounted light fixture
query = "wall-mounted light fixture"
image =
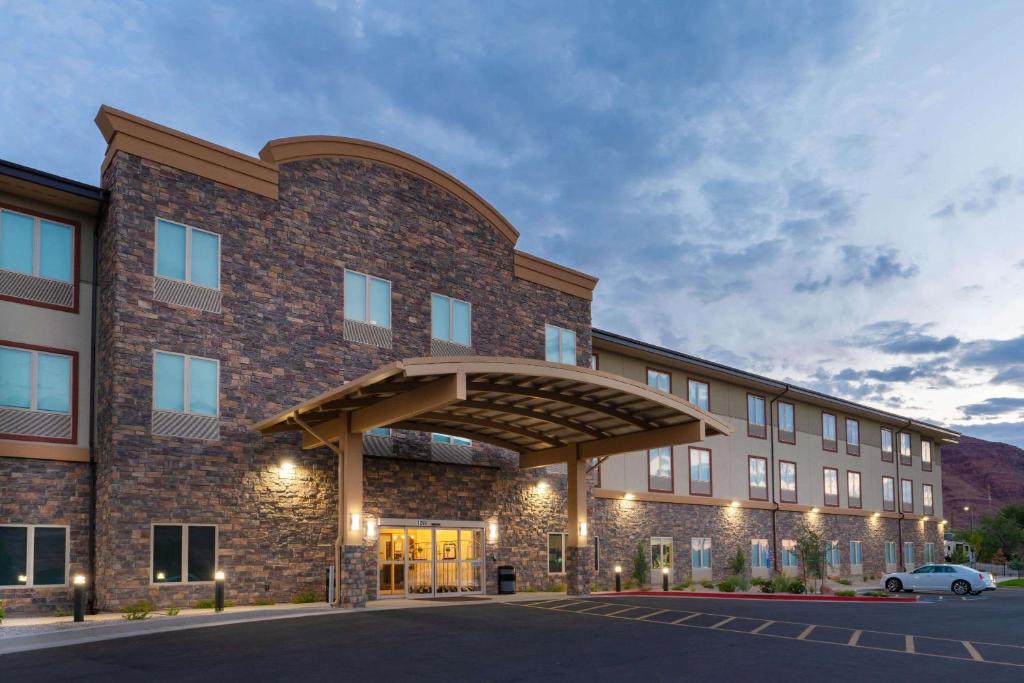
(355, 521)
(876, 515)
(287, 469)
(542, 486)
(371, 528)
(815, 511)
(492, 531)
(583, 529)
(629, 496)
(734, 504)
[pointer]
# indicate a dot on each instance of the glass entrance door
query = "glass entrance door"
(391, 555)
(424, 562)
(661, 558)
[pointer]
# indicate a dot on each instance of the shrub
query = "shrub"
(62, 613)
(305, 596)
(2, 612)
(845, 582)
(210, 604)
(629, 584)
(728, 585)
(707, 583)
(877, 594)
(137, 611)
(641, 567)
(683, 585)
(738, 563)
(172, 611)
(796, 586)
(780, 584)
(767, 587)
(846, 594)
(757, 581)
(263, 601)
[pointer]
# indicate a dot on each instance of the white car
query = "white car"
(940, 577)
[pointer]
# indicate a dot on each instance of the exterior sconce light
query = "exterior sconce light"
(815, 511)
(583, 529)
(925, 518)
(79, 598)
(875, 515)
(542, 487)
(287, 469)
(734, 504)
(618, 578)
(664, 578)
(629, 496)
(355, 521)
(492, 532)
(943, 523)
(218, 591)
(371, 528)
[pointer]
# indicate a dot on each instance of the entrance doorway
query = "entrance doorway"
(661, 557)
(427, 559)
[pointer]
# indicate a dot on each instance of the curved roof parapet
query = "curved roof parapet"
(547, 412)
(285, 150)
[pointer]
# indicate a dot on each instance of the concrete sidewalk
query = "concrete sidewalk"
(19, 634)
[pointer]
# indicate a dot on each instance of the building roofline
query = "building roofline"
(52, 181)
(750, 377)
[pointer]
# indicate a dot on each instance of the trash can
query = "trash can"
(506, 579)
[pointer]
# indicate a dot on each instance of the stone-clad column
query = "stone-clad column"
(578, 559)
(350, 552)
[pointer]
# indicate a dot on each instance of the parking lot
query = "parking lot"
(597, 638)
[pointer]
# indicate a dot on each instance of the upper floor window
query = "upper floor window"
(755, 416)
(700, 471)
(906, 495)
(886, 444)
(926, 456)
(888, 494)
(852, 437)
(927, 499)
(187, 254)
(853, 489)
(828, 431)
(699, 393)
(379, 431)
(831, 477)
(659, 469)
(659, 380)
(35, 380)
(905, 455)
(453, 440)
(787, 481)
(594, 361)
(758, 484)
(186, 384)
(450, 319)
(36, 246)
(787, 422)
(367, 299)
(559, 345)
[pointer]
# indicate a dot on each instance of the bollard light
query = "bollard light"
(79, 604)
(218, 591)
(664, 578)
(618, 578)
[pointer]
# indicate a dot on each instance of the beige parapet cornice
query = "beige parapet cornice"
(543, 272)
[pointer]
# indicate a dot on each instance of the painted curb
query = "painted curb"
(763, 596)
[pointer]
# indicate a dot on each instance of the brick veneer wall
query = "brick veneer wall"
(280, 340)
(47, 492)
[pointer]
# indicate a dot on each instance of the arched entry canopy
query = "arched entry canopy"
(547, 412)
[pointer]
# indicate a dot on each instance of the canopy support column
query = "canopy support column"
(578, 560)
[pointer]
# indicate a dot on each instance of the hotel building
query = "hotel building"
(333, 355)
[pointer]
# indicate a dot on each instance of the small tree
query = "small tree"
(641, 567)
(738, 563)
(811, 553)
(1016, 565)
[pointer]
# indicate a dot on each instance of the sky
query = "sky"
(823, 192)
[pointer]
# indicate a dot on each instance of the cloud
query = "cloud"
(902, 337)
(1013, 374)
(874, 266)
(993, 406)
(948, 211)
(1005, 432)
(991, 188)
(994, 353)
(737, 207)
(812, 195)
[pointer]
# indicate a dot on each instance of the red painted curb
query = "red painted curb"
(763, 596)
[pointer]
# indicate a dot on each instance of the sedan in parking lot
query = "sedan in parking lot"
(940, 577)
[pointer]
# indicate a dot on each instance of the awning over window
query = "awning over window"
(547, 412)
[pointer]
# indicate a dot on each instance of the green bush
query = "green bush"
(210, 604)
(845, 582)
(728, 585)
(629, 584)
(796, 586)
(137, 611)
(877, 594)
(780, 584)
(61, 613)
(767, 587)
(683, 585)
(641, 567)
(306, 596)
(757, 581)
(2, 612)
(846, 594)
(263, 601)
(172, 611)
(707, 583)
(738, 563)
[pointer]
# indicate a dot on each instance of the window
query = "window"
(758, 472)
(453, 440)
(556, 553)
(926, 499)
(450, 319)
(831, 488)
(755, 416)
(787, 422)
(379, 431)
(886, 444)
(853, 498)
(908, 552)
(367, 299)
(559, 345)
(759, 552)
(890, 552)
(888, 494)
(700, 471)
(594, 362)
(699, 393)
(926, 456)
(828, 432)
(185, 384)
(832, 558)
(905, 454)
(856, 557)
(906, 495)
(929, 552)
(37, 246)
(787, 481)
(597, 554)
(659, 380)
(36, 379)
(661, 552)
(33, 556)
(659, 472)
(700, 553)
(789, 557)
(187, 254)
(184, 553)
(852, 437)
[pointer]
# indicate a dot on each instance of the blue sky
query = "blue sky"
(828, 193)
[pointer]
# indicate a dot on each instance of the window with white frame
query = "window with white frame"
(367, 299)
(595, 361)
(908, 552)
(855, 553)
(929, 553)
(36, 246)
(35, 380)
(659, 380)
(853, 498)
(787, 481)
(187, 254)
(659, 469)
(890, 552)
(700, 471)
(888, 494)
(699, 393)
(926, 456)
(759, 552)
(450, 319)
(832, 558)
(556, 553)
(755, 416)
(184, 553)
(789, 556)
(186, 384)
(33, 555)
(453, 440)
(559, 345)
(927, 499)
(700, 553)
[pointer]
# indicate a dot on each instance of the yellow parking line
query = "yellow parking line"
(763, 626)
(910, 644)
(855, 638)
(569, 604)
(686, 618)
(806, 632)
(587, 609)
(723, 622)
(620, 611)
(975, 655)
(652, 614)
